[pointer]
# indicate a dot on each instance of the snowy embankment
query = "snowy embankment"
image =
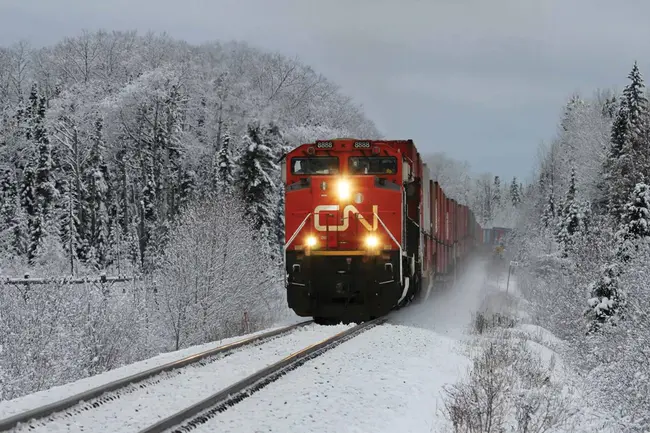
(520, 365)
(395, 377)
(221, 372)
(388, 379)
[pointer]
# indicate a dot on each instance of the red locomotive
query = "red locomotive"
(366, 229)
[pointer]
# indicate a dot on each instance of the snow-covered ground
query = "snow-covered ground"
(387, 379)
(31, 401)
(390, 378)
(167, 393)
(502, 295)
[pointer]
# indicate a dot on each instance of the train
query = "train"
(366, 229)
(495, 235)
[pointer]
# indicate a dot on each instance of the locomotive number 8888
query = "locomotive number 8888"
(362, 228)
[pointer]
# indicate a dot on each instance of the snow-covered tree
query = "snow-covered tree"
(635, 221)
(255, 180)
(549, 214)
(213, 272)
(605, 300)
(515, 194)
(106, 140)
(496, 198)
(573, 217)
(627, 161)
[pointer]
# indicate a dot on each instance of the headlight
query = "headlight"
(372, 241)
(311, 241)
(344, 189)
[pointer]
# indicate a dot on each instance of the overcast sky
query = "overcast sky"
(482, 81)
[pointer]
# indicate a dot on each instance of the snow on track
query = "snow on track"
(388, 379)
(141, 407)
(31, 401)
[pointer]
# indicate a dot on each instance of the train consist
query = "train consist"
(495, 235)
(366, 229)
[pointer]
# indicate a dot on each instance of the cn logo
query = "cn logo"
(347, 210)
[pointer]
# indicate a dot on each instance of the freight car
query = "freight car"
(495, 235)
(366, 229)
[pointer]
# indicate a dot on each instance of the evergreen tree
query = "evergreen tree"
(609, 107)
(96, 177)
(514, 192)
(279, 147)
(497, 192)
(224, 165)
(148, 217)
(635, 221)
(45, 189)
(606, 299)
(548, 215)
(68, 226)
(255, 180)
(573, 218)
(34, 218)
(10, 228)
(627, 161)
(188, 186)
(569, 110)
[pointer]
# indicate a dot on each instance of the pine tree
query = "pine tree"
(96, 177)
(573, 218)
(255, 180)
(497, 192)
(29, 202)
(548, 215)
(627, 161)
(224, 165)
(274, 140)
(514, 192)
(609, 107)
(68, 226)
(148, 217)
(10, 228)
(635, 221)
(44, 181)
(606, 299)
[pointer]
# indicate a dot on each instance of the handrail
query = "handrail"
(297, 232)
(401, 272)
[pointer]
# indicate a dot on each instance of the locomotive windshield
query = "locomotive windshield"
(315, 165)
(372, 165)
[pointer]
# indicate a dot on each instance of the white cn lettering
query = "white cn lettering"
(347, 210)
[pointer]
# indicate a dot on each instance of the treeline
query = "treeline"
(584, 235)
(106, 137)
(145, 155)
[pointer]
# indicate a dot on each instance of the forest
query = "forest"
(582, 237)
(149, 158)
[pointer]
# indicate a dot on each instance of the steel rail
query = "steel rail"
(61, 405)
(201, 412)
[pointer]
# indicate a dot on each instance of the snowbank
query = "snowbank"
(539, 352)
(31, 401)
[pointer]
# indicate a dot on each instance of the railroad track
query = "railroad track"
(63, 412)
(201, 412)
(96, 397)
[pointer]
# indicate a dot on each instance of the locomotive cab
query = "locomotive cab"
(345, 249)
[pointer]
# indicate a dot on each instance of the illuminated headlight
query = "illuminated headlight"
(311, 241)
(344, 189)
(372, 241)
